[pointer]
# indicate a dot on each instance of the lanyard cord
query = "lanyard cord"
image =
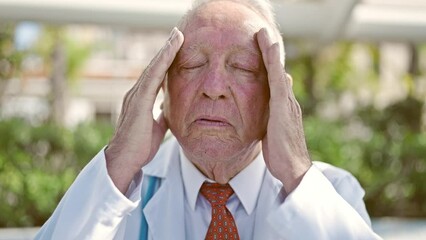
(152, 185)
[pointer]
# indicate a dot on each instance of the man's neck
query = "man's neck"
(223, 170)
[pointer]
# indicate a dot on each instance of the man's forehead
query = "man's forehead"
(225, 13)
(205, 38)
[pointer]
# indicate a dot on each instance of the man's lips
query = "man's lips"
(212, 121)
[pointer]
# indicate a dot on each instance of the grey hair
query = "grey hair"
(262, 7)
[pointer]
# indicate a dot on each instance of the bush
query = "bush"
(384, 149)
(38, 164)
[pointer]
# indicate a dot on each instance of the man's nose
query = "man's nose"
(216, 85)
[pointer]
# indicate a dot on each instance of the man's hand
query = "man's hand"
(138, 136)
(284, 145)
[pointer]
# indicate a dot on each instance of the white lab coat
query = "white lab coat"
(328, 204)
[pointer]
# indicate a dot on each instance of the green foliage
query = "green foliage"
(38, 164)
(10, 59)
(396, 157)
(384, 148)
(77, 52)
(77, 55)
(331, 79)
(388, 159)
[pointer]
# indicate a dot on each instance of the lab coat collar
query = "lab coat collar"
(164, 213)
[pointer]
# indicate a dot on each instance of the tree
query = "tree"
(10, 59)
(64, 58)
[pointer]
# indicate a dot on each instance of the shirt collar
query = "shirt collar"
(245, 184)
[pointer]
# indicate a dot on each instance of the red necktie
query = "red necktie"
(222, 225)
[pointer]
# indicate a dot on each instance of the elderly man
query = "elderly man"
(237, 166)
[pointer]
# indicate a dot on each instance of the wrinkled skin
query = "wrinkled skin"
(226, 98)
(217, 93)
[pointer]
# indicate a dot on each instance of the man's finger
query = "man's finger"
(264, 43)
(278, 83)
(125, 106)
(154, 74)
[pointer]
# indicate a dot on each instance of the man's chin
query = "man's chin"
(210, 146)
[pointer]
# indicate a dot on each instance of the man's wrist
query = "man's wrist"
(292, 175)
(119, 169)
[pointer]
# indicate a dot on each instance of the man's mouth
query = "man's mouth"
(212, 121)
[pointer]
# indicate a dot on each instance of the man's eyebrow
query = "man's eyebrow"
(253, 49)
(188, 53)
(191, 48)
(187, 60)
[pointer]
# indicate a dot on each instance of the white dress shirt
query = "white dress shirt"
(241, 204)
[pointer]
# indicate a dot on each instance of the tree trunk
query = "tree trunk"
(58, 83)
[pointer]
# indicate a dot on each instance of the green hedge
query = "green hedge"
(385, 150)
(38, 164)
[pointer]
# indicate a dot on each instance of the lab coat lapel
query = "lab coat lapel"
(267, 202)
(164, 213)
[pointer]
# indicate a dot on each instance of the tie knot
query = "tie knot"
(215, 193)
